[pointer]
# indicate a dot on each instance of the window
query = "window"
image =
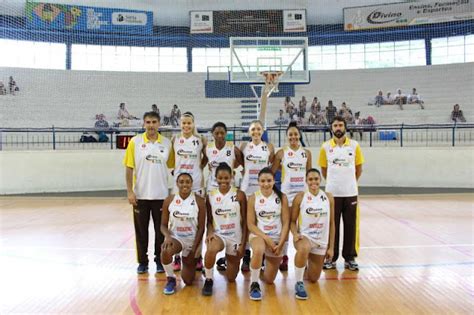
(213, 59)
(28, 54)
(456, 49)
(125, 58)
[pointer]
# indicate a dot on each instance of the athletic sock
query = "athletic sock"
(169, 270)
(299, 273)
(254, 274)
(209, 273)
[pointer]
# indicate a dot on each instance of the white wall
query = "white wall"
(67, 171)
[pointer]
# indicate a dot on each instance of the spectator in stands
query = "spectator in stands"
(379, 99)
(331, 111)
(457, 114)
(3, 90)
(343, 109)
(358, 124)
(414, 98)
(304, 102)
(155, 109)
(12, 86)
(317, 119)
(315, 106)
(400, 98)
(389, 100)
(301, 109)
(281, 120)
(123, 113)
(288, 105)
(100, 121)
(175, 116)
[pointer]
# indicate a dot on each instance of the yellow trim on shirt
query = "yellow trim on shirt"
(359, 157)
(323, 160)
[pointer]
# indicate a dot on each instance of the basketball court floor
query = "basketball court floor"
(71, 255)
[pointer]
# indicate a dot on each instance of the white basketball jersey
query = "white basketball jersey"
(226, 214)
(188, 159)
(293, 172)
(314, 220)
(183, 216)
(268, 214)
(216, 156)
(256, 157)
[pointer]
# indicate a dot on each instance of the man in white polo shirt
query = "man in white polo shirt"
(341, 162)
(147, 159)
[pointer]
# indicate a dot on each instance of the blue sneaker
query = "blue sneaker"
(170, 286)
(255, 292)
(300, 291)
(159, 267)
(142, 268)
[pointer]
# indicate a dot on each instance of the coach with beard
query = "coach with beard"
(341, 162)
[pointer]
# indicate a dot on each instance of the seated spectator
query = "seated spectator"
(315, 106)
(12, 86)
(304, 102)
(317, 119)
(457, 114)
(379, 99)
(344, 107)
(358, 123)
(293, 114)
(100, 121)
(331, 111)
(175, 116)
(123, 113)
(103, 124)
(389, 100)
(281, 120)
(3, 90)
(400, 98)
(414, 98)
(288, 106)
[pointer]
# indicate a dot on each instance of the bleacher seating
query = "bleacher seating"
(72, 98)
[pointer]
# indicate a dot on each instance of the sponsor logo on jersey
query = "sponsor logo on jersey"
(178, 201)
(267, 214)
(218, 199)
(255, 158)
(316, 225)
(214, 164)
(180, 215)
(297, 180)
(181, 141)
(214, 152)
(153, 159)
(290, 154)
(186, 154)
(315, 212)
(340, 162)
(262, 200)
(220, 211)
(295, 166)
(143, 145)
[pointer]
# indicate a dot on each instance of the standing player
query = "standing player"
(268, 220)
(293, 160)
(146, 167)
(312, 226)
(190, 157)
(341, 162)
(226, 226)
(257, 155)
(219, 151)
(182, 224)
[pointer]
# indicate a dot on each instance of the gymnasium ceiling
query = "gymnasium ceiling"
(176, 12)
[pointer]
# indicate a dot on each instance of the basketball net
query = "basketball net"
(272, 78)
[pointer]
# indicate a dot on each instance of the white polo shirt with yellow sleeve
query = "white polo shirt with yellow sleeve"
(340, 162)
(150, 162)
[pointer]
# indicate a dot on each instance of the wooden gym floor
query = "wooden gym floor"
(76, 255)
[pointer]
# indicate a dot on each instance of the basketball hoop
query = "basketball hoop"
(272, 78)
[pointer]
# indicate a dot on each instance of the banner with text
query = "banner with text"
(248, 21)
(404, 14)
(81, 18)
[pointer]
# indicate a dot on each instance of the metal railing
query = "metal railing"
(428, 135)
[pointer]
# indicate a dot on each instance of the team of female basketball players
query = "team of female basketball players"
(257, 214)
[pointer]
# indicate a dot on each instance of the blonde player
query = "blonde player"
(190, 157)
(257, 155)
(293, 160)
(268, 220)
(226, 226)
(182, 223)
(313, 229)
(219, 151)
